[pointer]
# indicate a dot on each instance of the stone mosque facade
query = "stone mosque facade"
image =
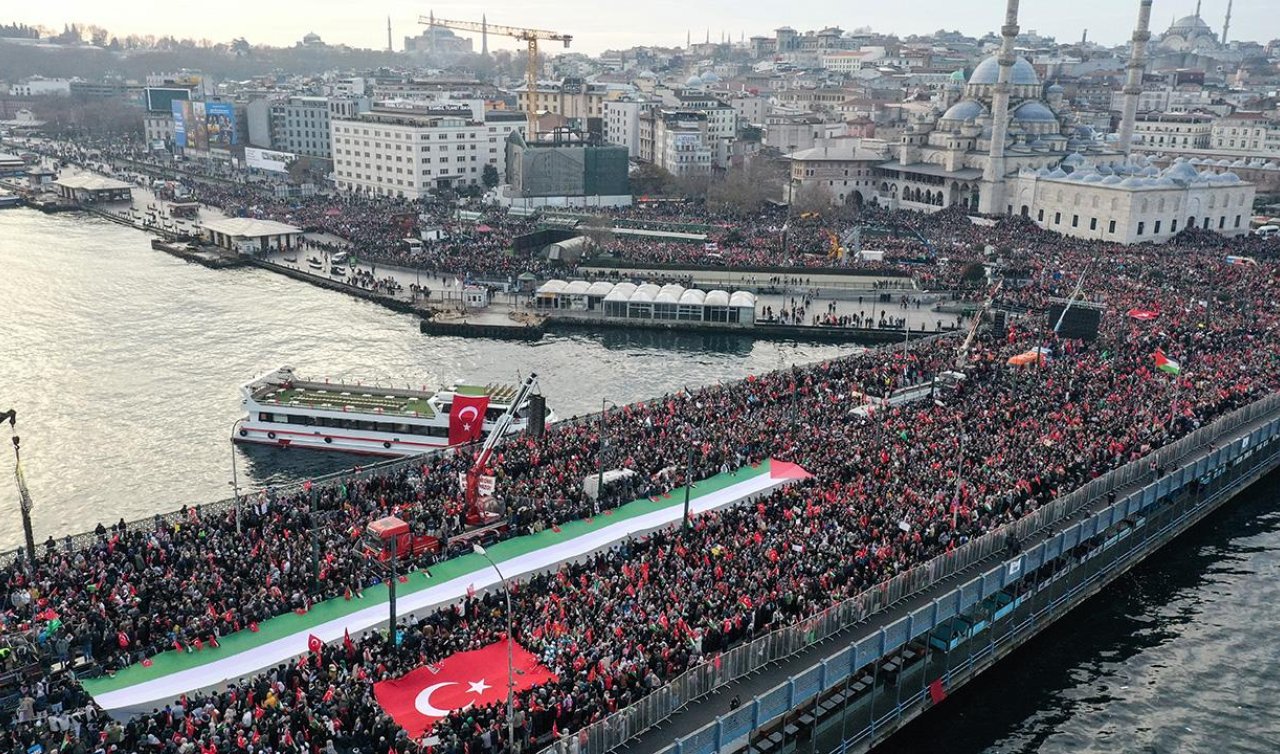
(1005, 145)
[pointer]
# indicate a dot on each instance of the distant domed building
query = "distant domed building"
(1013, 149)
(942, 159)
(1189, 34)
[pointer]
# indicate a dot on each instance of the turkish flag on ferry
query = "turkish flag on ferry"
(466, 418)
(463, 680)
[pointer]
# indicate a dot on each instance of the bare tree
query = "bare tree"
(598, 231)
(814, 197)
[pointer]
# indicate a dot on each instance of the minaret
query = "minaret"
(389, 34)
(992, 200)
(1197, 8)
(1226, 25)
(484, 35)
(1133, 76)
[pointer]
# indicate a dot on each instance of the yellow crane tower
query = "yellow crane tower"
(529, 36)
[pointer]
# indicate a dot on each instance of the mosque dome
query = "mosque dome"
(694, 80)
(1189, 23)
(1183, 171)
(988, 71)
(1056, 89)
(964, 110)
(710, 77)
(1034, 111)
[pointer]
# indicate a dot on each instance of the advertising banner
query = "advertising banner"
(268, 159)
(181, 117)
(220, 124)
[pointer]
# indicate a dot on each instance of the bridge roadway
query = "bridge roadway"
(705, 710)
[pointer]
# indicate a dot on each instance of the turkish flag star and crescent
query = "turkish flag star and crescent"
(419, 698)
(466, 418)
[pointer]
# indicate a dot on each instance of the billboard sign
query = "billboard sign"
(181, 117)
(193, 124)
(220, 124)
(267, 159)
(160, 99)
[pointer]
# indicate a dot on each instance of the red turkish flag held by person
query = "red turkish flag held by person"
(466, 417)
(314, 645)
(464, 680)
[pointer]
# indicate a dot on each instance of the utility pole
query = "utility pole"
(235, 477)
(24, 495)
(688, 483)
(511, 677)
(604, 403)
(391, 593)
(315, 540)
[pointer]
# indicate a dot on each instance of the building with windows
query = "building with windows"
(1173, 131)
(38, 86)
(680, 142)
(622, 122)
(407, 152)
(159, 129)
(1246, 133)
(301, 124)
(843, 167)
(1133, 201)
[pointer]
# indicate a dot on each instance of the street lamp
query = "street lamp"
(511, 679)
(955, 501)
(604, 404)
(235, 477)
(24, 496)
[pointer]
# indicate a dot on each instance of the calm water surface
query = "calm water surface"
(124, 365)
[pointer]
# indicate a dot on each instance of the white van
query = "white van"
(1267, 231)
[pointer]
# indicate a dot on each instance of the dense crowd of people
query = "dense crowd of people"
(891, 488)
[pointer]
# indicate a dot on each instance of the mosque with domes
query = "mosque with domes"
(1005, 144)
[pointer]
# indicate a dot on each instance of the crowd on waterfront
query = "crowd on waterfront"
(893, 486)
(890, 490)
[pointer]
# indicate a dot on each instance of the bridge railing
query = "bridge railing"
(620, 727)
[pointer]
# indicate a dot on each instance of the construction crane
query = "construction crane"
(529, 36)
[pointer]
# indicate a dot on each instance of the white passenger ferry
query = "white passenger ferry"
(287, 411)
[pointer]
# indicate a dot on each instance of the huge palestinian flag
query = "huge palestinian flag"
(141, 688)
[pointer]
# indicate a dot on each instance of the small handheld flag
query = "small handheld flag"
(1166, 364)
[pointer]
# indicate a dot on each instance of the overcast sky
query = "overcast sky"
(602, 24)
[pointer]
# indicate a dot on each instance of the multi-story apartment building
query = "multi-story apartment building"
(680, 143)
(158, 128)
(409, 152)
(572, 98)
(1246, 133)
(622, 123)
(1181, 131)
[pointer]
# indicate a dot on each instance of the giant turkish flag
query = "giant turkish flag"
(466, 417)
(418, 699)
